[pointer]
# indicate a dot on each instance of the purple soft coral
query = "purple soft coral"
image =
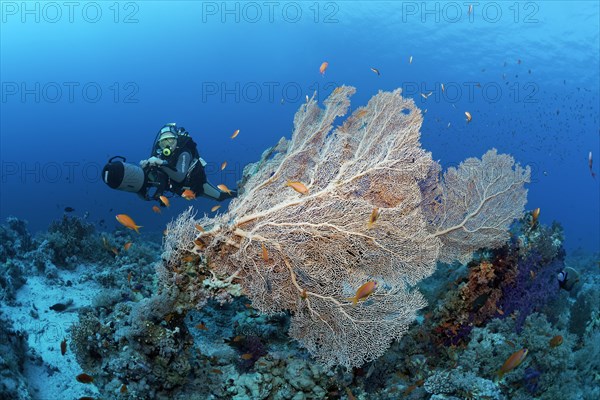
(534, 285)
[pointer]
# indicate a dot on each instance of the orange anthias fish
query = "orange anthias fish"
(237, 132)
(265, 254)
(127, 245)
(512, 362)
(164, 200)
(127, 222)
(361, 113)
(364, 291)
(323, 67)
(156, 209)
(215, 208)
(469, 117)
(224, 188)
(188, 194)
(556, 341)
(374, 216)
(201, 326)
(223, 165)
(297, 186)
(534, 216)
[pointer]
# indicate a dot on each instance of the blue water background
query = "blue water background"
(156, 62)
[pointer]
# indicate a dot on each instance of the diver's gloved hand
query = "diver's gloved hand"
(155, 161)
(152, 161)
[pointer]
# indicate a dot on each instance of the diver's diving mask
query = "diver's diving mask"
(167, 143)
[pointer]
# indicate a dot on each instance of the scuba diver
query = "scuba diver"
(174, 166)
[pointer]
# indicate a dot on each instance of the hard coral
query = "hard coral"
(15, 240)
(71, 240)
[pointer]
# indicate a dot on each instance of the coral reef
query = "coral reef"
(462, 385)
(15, 240)
(70, 241)
(541, 258)
(509, 282)
(11, 279)
(212, 316)
(476, 300)
(585, 315)
(13, 348)
(179, 329)
(547, 369)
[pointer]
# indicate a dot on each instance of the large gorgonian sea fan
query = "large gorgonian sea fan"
(473, 205)
(308, 254)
